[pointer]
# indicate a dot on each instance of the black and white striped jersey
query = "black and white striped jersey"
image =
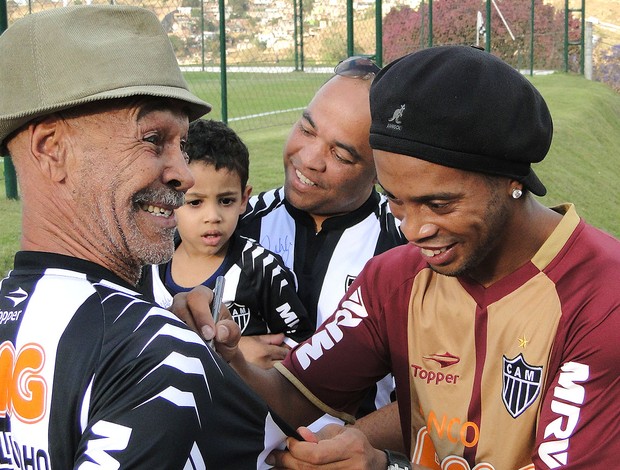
(260, 292)
(327, 262)
(94, 376)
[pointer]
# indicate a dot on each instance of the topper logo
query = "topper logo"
(17, 296)
(23, 391)
(444, 360)
(350, 315)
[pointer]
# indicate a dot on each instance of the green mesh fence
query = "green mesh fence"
(278, 52)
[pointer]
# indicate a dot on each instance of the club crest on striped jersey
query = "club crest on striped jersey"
(241, 315)
(521, 384)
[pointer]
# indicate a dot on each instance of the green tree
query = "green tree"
(454, 22)
(333, 45)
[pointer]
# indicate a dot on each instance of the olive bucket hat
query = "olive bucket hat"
(68, 56)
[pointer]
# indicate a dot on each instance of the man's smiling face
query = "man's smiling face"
(328, 162)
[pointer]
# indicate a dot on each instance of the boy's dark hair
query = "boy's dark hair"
(214, 143)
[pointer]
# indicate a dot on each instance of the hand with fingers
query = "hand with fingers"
(264, 350)
(333, 447)
(193, 308)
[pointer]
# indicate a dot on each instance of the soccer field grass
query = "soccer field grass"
(256, 100)
(582, 167)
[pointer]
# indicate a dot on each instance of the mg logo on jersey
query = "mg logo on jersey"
(23, 391)
(521, 384)
(241, 315)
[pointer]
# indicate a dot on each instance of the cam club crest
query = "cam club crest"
(521, 384)
(241, 315)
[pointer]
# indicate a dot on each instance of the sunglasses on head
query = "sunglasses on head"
(357, 67)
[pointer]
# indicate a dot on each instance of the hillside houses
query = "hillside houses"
(266, 26)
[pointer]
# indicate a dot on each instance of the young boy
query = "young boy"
(260, 291)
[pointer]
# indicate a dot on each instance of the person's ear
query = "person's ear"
(47, 149)
(516, 189)
(245, 197)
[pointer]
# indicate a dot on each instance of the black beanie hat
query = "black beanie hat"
(461, 107)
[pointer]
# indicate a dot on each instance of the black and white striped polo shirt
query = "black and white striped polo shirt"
(91, 374)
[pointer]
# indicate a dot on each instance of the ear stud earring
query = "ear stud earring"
(516, 193)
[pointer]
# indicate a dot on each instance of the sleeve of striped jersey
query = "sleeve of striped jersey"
(281, 306)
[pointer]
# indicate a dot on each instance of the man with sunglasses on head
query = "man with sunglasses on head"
(328, 219)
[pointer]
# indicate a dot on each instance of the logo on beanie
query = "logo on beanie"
(394, 121)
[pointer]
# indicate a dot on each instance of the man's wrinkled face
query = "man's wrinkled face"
(328, 162)
(132, 175)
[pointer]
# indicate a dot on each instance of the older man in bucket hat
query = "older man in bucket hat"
(499, 319)
(94, 112)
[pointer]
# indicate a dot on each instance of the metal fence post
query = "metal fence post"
(223, 78)
(378, 33)
(567, 41)
(10, 179)
(566, 14)
(350, 33)
(587, 70)
(202, 34)
(295, 35)
(582, 38)
(301, 34)
(532, 41)
(487, 29)
(298, 33)
(430, 23)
